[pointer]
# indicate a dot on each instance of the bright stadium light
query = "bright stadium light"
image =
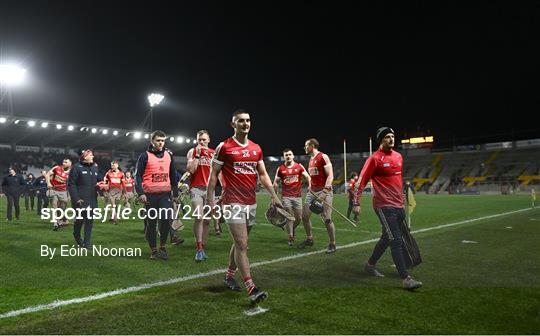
(115, 133)
(171, 139)
(31, 123)
(194, 141)
(137, 135)
(94, 130)
(146, 136)
(11, 75)
(16, 121)
(82, 129)
(58, 126)
(105, 131)
(155, 98)
(71, 128)
(44, 124)
(180, 139)
(3, 120)
(128, 133)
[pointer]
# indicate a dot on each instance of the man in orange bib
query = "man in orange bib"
(155, 180)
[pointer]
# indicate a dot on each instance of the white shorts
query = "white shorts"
(235, 213)
(114, 194)
(292, 202)
(198, 195)
(61, 196)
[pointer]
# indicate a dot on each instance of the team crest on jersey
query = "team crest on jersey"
(235, 152)
(254, 153)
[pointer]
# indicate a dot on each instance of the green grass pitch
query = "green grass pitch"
(491, 286)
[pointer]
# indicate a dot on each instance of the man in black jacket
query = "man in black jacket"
(81, 186)
(155, 179)
(40, 186)
(29, 192)
(13, 185)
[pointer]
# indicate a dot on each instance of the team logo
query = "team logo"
(254, 153)
(313, 171)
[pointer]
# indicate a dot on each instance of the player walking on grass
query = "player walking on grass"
(322, 175)
(240, 160)
(290, 175)
(57, 184)
(155, 179)
(198, 165)
(384, 168)
(129, 184)
(115, 179)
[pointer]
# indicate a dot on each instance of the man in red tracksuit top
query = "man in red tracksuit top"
(384, 168)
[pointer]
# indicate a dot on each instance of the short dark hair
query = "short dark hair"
(66, 159)
(313, 142)
(158, 133)
(114, 161)
(287, 150)
(239, 111)
(201, 132)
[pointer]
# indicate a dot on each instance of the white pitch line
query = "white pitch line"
(60, 303)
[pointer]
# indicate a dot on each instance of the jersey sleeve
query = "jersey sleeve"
(219, 155)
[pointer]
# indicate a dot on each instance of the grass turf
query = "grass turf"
(489, 287)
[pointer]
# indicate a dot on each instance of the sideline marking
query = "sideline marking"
(60, 303)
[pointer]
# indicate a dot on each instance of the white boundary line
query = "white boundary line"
(60, 303)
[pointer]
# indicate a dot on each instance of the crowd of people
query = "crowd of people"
(223, 181)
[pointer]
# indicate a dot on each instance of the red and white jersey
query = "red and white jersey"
(202, 174)
(239, 170)
(291, 179)
(114, 179)
(129, 184)
(317, 173)
(384, 169)
(59, 178)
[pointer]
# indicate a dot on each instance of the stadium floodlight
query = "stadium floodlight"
(171, 139)
(194, 141)
(188, 140)
(128, 133)
(3, 120)
(11, 75)
(105, 131)
(137, 135)
(180, 139)
(115, 133)
(82, 129)
(44, 124)
(58, 126)
(154, 99)
(94, 130)
(31, 123)
(16, 121)
(146, 136)
(71, 128)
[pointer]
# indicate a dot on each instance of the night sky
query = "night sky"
(327, 71)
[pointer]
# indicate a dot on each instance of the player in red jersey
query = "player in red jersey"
(322, 175)
(115, 180)
(384, 168)
(198, 165)
(57, 184)
(129, 185)
(350, 195)
(240, 160)
(290, 175)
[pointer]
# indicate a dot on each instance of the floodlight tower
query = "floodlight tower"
(10, 76)
(154, 99)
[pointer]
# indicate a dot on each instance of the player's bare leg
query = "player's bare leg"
(297, 212)
(199, 229)
(330, 227)
(306, 220)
